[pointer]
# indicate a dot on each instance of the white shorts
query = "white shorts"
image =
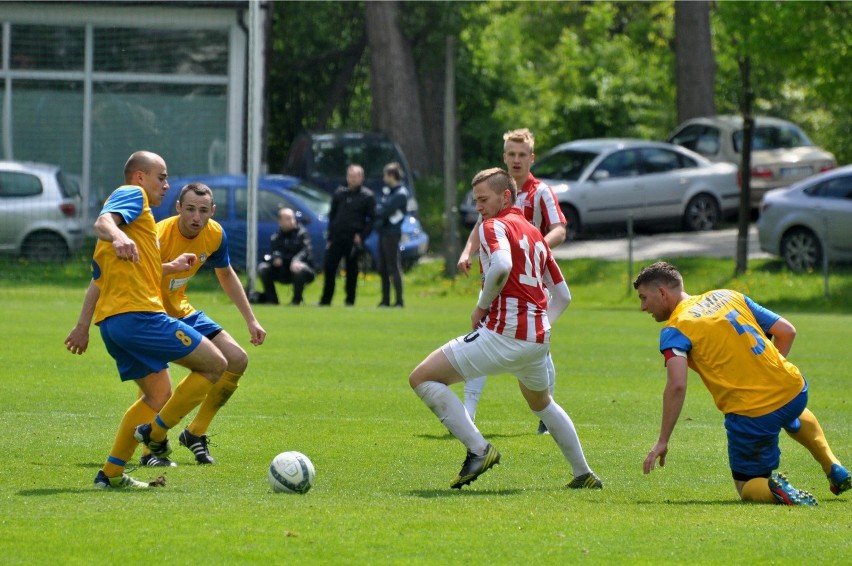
(485, 352)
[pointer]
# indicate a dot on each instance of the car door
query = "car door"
(836, 197)
(663, 182)
(612, 193)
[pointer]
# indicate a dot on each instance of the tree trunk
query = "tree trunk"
(393, 82)
(696, 68)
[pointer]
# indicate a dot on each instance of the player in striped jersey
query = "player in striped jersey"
(540, 207)
(739, 350)
(510, 333)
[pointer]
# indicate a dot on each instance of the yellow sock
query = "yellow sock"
(756, 490)
(124, 444)
(216, 398)
(810, 436)
(187, 395)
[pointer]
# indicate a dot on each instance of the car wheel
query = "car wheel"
(702, 213)
(44, 247)
(801, 249)
(573, 220)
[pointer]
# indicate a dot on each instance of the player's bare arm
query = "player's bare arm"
(673, 397)
(783, 333)
(556, 235)
(180, 264)
(107, 229)
(77, 341)
(232, 286)
(471, 244)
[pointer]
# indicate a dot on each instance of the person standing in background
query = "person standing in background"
(350, 221)
(390, 213)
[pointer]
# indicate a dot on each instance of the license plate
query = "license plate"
(803, 171)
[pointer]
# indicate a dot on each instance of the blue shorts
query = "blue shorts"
(144, 342)
(205, 325)
(753, 441)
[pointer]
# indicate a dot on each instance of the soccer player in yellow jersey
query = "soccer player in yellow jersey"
(188, 241)
(137, 332)
(739, 350)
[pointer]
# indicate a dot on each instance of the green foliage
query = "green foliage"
(332, 383)
(799, 60)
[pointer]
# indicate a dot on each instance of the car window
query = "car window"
(220, 197)
(70, 186)
(331, 157)
(315, 199)
(658, 160)
(563, 165)
(699, 138)
(623, 163)
(16, 184)
(268, 204)
(773, 137)
(837, 188)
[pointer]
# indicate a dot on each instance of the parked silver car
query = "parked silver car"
(809, 219)
(39, 212)
(782, 153)
(602, 182)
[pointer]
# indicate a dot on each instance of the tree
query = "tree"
(696, 68)
(394, 82)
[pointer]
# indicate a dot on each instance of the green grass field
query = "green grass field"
(332, 383)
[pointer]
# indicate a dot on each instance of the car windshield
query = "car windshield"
(315, 199)
(773, 137)
(332, 156)
(565, 165)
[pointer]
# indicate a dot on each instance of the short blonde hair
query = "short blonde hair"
(522, 135)
(498, 180)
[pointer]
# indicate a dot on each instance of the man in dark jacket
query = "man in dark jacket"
(291, 260)
(390, 213)
(350, 221)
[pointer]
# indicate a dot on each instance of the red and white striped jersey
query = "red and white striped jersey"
(520, 310)
(539, 204)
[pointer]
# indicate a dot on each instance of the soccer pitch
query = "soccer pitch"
(332, 383)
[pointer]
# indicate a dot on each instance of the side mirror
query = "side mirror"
(600, 175)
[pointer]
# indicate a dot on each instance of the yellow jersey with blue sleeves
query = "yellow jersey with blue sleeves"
(724, 334)
(127, 286)
(210, 246)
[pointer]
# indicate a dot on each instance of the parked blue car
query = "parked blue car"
(310, 203)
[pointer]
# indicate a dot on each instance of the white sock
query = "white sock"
(472, 391)
(452, 414)
(563, 432)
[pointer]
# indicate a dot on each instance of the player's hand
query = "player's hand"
(125, 249)
(184, 261)
(78, 341)
(659, 451)
(477, 317)
(464, 263)
(257, 333)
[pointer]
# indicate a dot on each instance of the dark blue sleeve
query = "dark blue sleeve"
(671, 337)
(220, 257)
(126, 201)
(764, 317)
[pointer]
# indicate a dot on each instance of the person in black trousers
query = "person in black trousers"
(291, 260)
(390, 213)
(350, 221)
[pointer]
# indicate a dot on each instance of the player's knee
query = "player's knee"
(237, 361)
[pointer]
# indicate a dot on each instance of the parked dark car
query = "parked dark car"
(310, 203)
(39, 212)
(812, 218)
(321, 158)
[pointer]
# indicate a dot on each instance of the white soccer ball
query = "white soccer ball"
(291, 472)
